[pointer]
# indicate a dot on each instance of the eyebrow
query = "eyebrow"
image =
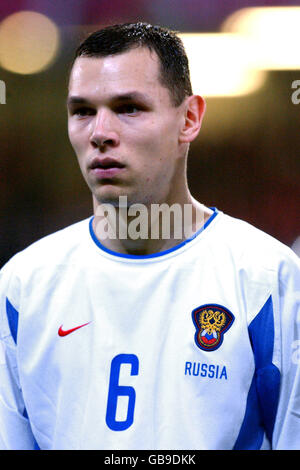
(72, 100)
(132, 96)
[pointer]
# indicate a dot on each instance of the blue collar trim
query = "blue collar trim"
(153, 255)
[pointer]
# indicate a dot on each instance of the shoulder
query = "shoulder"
(39, 266)
(260, 264)
(50, 249)
(252, 246)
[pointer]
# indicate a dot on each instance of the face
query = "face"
(124, 128)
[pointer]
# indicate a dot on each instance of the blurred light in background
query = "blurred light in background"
(252, 41)
(29, 42)
(219, 64)
(274, 33)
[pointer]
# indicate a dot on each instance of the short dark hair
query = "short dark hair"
(115, 39)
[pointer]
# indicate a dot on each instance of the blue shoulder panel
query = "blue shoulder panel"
(36, 446)
(263, 395)
(13, 318)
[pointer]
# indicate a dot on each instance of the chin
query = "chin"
(111, 197)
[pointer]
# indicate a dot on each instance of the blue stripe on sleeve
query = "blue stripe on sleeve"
(263, 395)
(13, 319)
(35, 444)
(251, 433)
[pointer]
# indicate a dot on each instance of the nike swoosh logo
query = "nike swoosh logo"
(62, 332)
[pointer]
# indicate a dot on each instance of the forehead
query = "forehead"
(136, 69)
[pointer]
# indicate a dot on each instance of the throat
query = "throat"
(151, 231)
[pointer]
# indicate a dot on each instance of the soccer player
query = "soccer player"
(186, 341)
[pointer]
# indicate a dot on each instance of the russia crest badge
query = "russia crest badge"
(211, 322)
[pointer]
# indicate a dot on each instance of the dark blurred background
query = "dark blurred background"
(245, 160)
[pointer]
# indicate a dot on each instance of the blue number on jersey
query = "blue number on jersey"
(115, 390)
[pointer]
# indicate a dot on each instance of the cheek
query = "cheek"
(153, 158)
(154, 143)
(78, 143)
(73, 137)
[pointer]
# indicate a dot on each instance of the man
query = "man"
(115, 341)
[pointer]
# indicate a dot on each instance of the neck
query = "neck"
(146, 229)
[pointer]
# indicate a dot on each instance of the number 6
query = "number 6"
(116, 390)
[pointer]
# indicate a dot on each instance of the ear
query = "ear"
(194, 113)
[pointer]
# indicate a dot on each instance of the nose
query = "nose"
(104, 132)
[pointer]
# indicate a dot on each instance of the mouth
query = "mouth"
(104, 168)
(105, 163)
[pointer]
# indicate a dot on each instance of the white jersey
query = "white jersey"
(194, 348)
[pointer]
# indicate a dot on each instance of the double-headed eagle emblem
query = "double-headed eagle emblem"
(211, 322)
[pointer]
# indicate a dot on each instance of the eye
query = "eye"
(128, 109)
(83, 111)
